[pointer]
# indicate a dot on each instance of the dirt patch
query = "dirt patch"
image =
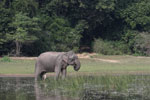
(83, 56)
(90, 55)
(86, 55)
(24, 58)
(107, 60)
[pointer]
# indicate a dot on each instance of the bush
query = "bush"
(129, 39)
(110, 47)
(142, 44)
(5, 59)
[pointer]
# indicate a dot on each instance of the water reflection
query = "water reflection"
(16, 89)
(26, 89)
(137, 89)
(42, 93)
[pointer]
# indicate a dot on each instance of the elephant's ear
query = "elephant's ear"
(65, 58)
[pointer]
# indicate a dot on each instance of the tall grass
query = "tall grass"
(5, 59)
(124, 87)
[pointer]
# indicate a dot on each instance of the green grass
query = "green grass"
(122, 87)
(126, 65)
(17, 67)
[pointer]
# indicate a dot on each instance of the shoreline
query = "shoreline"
(80, 74)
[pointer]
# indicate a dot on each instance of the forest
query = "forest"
(109, 27)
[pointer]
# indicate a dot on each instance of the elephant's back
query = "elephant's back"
(50, 54)
(48, 59)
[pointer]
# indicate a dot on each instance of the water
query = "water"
(18, 88)
(137, 89)
(26, 89)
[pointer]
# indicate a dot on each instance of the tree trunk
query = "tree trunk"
(18, 47)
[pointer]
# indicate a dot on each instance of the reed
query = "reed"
(120, 87)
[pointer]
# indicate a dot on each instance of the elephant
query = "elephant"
(55, 62)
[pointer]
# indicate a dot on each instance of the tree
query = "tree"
(98, 14)
(136, 15)
(20, 33)
(6, 15)
(61, 36)
(25, 6)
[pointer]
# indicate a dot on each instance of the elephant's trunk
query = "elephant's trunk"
(77, 65)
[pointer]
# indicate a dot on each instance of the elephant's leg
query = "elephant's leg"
(40, 75)
(38, 71)
(57, 72)
(37, 74)
(63, 72)
(43, 75)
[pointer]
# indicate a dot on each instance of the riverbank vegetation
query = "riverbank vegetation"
(117, 87)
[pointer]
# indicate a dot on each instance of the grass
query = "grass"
(17, 67)
(126, 65)
(108, 87)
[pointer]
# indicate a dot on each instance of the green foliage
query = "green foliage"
(5, 59)
(141, 44)
(110, 48)
(136, 15)
(138, 42)
(22, 25)
(61, 36)
(2, 39)
(26, 6)
(129, 38)
(6, 17)
(62, 25)
(108, 5)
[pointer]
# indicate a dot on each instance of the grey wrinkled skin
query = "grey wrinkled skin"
(55, 62)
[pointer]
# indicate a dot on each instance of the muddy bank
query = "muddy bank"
(82, 74)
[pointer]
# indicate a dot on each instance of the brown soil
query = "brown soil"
(82, 74)
(24, 58)
(83, 56)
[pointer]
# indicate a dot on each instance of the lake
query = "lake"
(15, 88)
(78, 88)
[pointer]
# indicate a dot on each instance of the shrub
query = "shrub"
(110, 47)
(129, 39)
(102, 47)
(5, 59)
(142, 44)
